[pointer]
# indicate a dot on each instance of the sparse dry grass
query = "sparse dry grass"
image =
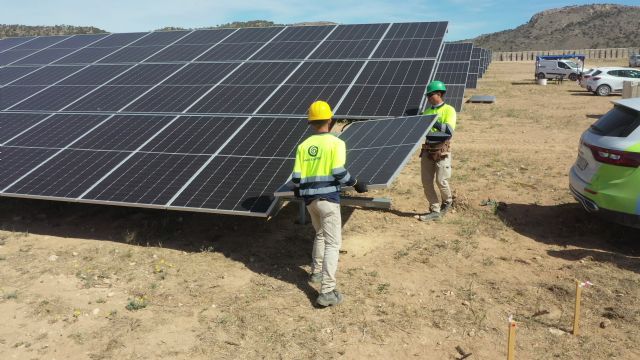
(224, 287)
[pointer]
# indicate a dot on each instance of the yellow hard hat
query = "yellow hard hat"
(320, 110)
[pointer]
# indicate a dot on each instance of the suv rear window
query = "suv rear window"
(619, 122)
(598, 72)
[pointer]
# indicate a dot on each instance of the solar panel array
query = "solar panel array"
(203, 120)
(453, 69)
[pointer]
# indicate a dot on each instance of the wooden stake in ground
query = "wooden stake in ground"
(511, 346)
(576, 314)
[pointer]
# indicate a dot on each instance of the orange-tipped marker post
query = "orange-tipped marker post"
(576, 314)
(511, 342)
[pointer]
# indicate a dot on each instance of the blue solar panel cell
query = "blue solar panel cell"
(68, 174)
(12, 124)
(95, 75)
(201, 74)
(11, 95)
(87, 55)
(160, 38)
(168, 98)
(78, 41)
(195, 135)
(359, 32)
(108, 98)
(57, 131)
(17, 162)
(147, 178)
(40, 42)
(205, 37)
(47, 75)
(10, 43)
(179, 53)
(10, 56)
(10, 74)
(44, 57)
(131, 54)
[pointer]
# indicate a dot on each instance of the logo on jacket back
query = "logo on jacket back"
(313, 151)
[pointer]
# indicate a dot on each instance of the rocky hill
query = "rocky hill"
(10, 30)
(573, 27)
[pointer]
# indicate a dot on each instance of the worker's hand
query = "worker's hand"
(296, 192)
(437, 126)
(361, 186)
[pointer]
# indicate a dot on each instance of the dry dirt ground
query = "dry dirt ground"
(93, 282)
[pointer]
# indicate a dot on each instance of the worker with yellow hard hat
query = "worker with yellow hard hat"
(435, 157)
(318, 174)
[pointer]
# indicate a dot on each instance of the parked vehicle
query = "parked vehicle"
(582, 79)
(605, 178)
(549, 69)
(607, 80)
(634, 60)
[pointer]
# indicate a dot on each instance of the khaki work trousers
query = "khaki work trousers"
(327, 221)
(436, 173)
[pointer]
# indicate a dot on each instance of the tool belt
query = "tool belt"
(436, 151)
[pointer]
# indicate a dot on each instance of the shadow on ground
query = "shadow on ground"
(569, 225)
(277, 247)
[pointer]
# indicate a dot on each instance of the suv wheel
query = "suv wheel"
(541, 75)
(573, 77)
(603, 90)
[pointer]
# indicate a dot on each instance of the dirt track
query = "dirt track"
(227, 287)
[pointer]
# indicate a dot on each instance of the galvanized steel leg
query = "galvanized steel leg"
(302, 213)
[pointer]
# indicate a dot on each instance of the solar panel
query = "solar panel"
(378, 149)
(202, 120)
(474, 68)
(453, 70)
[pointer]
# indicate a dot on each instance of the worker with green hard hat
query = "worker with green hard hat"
(435, 157)
(319, 172)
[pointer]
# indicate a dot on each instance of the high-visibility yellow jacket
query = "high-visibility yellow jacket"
(319, 170)
(446, 117)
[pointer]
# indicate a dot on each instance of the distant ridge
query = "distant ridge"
(572, 27)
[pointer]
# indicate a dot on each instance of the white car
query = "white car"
(582, 79)
(606, 80)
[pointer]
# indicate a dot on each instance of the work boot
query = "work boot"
(330, 299)
(432, 216)
(444, 208)
(315, 278)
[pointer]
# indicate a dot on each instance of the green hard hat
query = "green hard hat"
(436, 85)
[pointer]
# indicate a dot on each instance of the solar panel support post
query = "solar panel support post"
(302, 212)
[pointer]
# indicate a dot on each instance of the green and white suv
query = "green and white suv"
(605, 178)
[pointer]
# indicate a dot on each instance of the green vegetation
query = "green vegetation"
(11, 30)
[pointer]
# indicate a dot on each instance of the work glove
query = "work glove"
(296, 192)
(437, 126)
(361, 187)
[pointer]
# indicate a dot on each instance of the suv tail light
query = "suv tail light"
(596, 78)
(614, 157)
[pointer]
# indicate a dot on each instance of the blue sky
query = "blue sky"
(467, 18)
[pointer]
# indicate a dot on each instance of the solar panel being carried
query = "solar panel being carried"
(453, 70)
(378, 149)
(202, 120)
